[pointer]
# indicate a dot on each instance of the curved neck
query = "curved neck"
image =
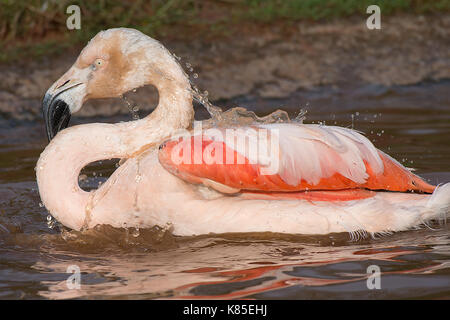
(72, 149)
(174, 112)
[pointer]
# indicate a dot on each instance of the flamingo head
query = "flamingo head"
(114, 62)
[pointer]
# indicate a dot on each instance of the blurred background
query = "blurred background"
(39, 26)
(262, 48)
(391, 84)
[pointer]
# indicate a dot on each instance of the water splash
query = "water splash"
(134, 109)
(138, 178)
(233, 116)
(301, 116)
(239, 115)
(136, 233)
(51, 223)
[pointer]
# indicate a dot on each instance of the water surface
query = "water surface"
(411, 123)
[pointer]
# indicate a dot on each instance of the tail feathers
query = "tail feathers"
(439, 203)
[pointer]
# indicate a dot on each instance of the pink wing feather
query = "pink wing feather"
(286, 158)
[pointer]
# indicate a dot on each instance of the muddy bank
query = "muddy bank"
(272, 63)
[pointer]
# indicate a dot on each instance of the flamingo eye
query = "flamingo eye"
(97, 63)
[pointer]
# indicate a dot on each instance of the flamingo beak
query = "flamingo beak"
(64, 97)
(56, 115)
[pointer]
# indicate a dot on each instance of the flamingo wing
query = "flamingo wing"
(285, 158)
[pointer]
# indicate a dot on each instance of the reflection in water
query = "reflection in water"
(411, 123)
(255, 266)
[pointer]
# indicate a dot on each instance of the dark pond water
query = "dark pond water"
(411, 123)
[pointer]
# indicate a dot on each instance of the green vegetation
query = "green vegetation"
(35, 27)
(268, 10)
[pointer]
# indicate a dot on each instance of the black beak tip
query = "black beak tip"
(56, 115)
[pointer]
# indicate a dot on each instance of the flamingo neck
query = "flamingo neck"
(174, 112)
(72, 149)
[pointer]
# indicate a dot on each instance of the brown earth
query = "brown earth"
(273, 62)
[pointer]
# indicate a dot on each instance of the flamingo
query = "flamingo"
(327, 179)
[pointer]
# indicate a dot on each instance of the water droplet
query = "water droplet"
(41, 204)
(49, 218)
(136, 233)
(195, 75)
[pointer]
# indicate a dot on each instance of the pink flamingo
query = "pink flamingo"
(327, 178)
